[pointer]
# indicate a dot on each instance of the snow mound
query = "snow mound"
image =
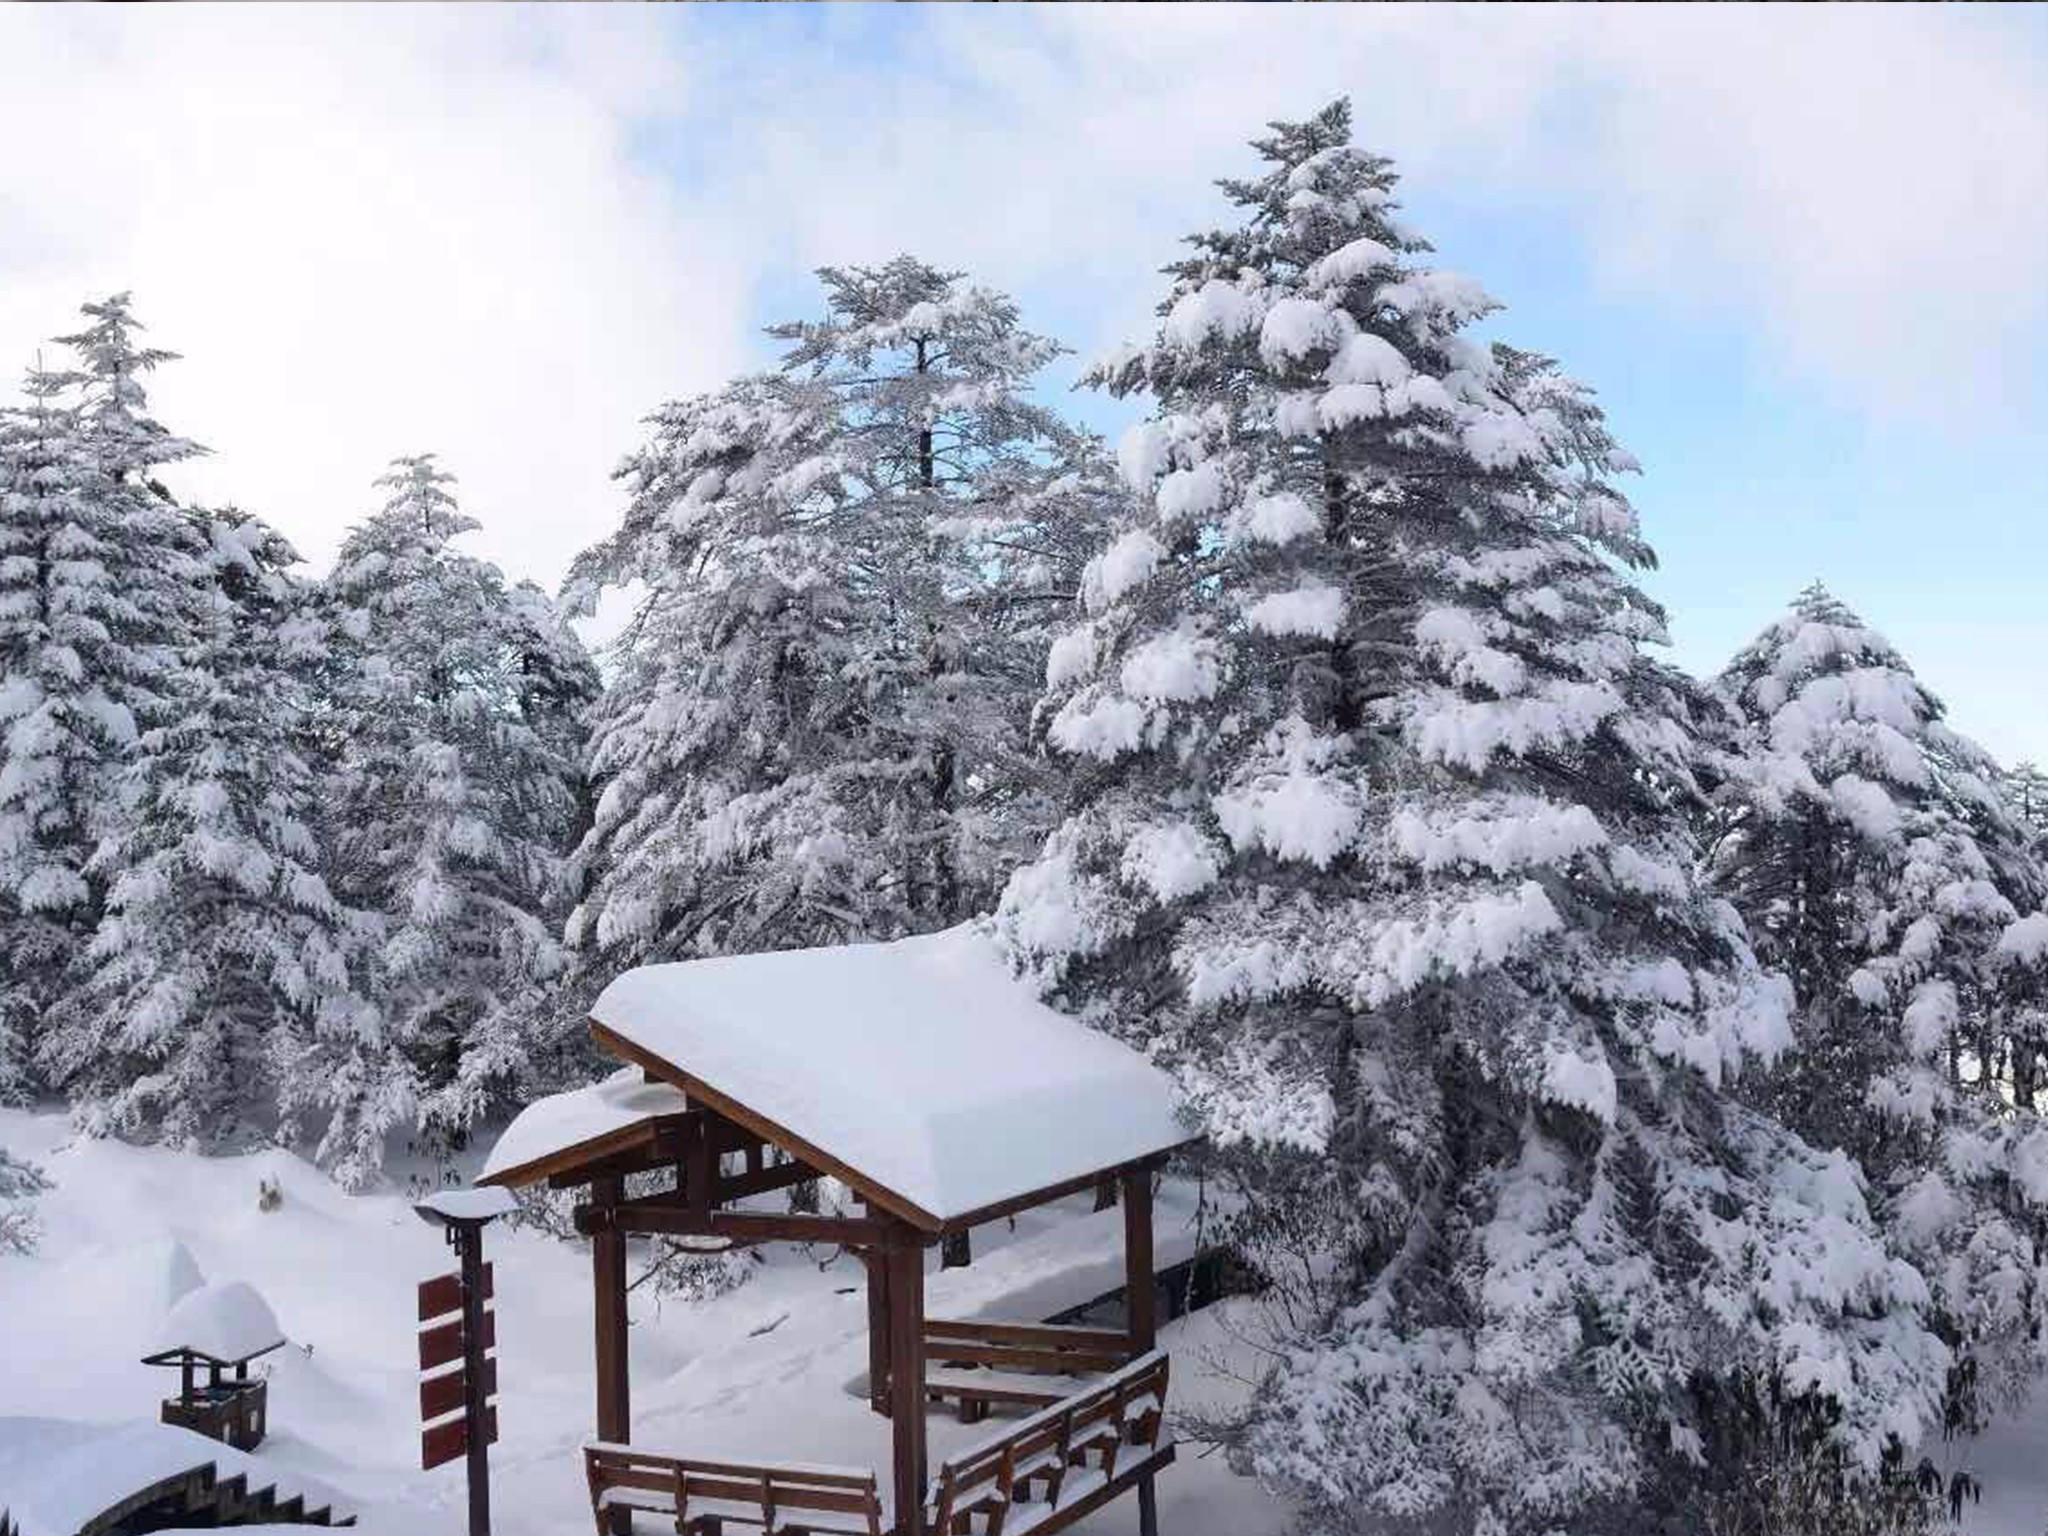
(60, 1473)
(226, 1323)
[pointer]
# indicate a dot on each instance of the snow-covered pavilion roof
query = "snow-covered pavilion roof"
(920, 1071)
(226, 1324)
(590, 1121)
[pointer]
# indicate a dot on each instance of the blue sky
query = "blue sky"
(1799, 253)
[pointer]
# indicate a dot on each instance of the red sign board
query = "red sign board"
(448, 1391)
(443, 1294)
(445, 1442)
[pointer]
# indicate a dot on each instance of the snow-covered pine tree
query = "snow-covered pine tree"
(2026, 796)
(221, 941)
(98, 576)
(1869, 848)
(815, 731)
(1381, 845)
(452, 714)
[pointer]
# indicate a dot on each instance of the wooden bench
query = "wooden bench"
(1047, 1471)
(1031, 1365)
(702, 1497)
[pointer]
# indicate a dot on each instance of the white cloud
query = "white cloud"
(1858, 191)
(370, 232)
(379, 230)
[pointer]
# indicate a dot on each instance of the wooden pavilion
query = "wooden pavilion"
(942, 1094)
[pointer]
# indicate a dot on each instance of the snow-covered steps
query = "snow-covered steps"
(63, 1477)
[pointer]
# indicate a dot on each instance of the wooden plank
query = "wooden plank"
(1037, 1197)
(443, 1294)
(1015, 1357)
(1047, 1335)
(444, 1394)
(762, 1181)
(664, 1214)
(702, 1093)
(441, 1344)
(444, 1442)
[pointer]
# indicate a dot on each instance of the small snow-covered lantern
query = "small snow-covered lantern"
(221, 1327)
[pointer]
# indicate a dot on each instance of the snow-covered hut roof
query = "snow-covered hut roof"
(225, 1324)
(586, 1123)
(921, 1072)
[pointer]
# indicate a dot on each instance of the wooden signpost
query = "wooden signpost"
(457, 1327)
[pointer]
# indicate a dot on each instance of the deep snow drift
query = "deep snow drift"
(764, 1371)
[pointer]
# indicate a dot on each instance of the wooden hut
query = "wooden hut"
(220, 1328)
(943, 1094)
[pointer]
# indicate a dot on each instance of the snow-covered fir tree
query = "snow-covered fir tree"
(1381, 844)
(452, 716)
(2026, 796)
(221, 941)
(1869, 847)
(98, 577)
(815, 731)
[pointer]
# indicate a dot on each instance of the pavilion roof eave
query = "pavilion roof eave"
(586, 1154)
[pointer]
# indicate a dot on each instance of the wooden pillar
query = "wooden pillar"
(469, 1244)
(1141, 1318)
(608, 1281)
(904, 1256)
(877, 1262)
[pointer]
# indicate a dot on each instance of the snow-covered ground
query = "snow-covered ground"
(766, 1370)
(763, 1371)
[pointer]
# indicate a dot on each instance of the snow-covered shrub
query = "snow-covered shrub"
(20, 1183)
(1765, 1464)
(675, 1268)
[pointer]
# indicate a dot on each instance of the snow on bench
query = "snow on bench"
(703, 1495)
(1036, 1474)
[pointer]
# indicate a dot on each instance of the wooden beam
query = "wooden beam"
(1037, 1197)
(614, 1390)
(1141, 1313)
(665, 1215)
(700, 1171)
(761, 1181)
(768, 1130)
(904, 1258)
